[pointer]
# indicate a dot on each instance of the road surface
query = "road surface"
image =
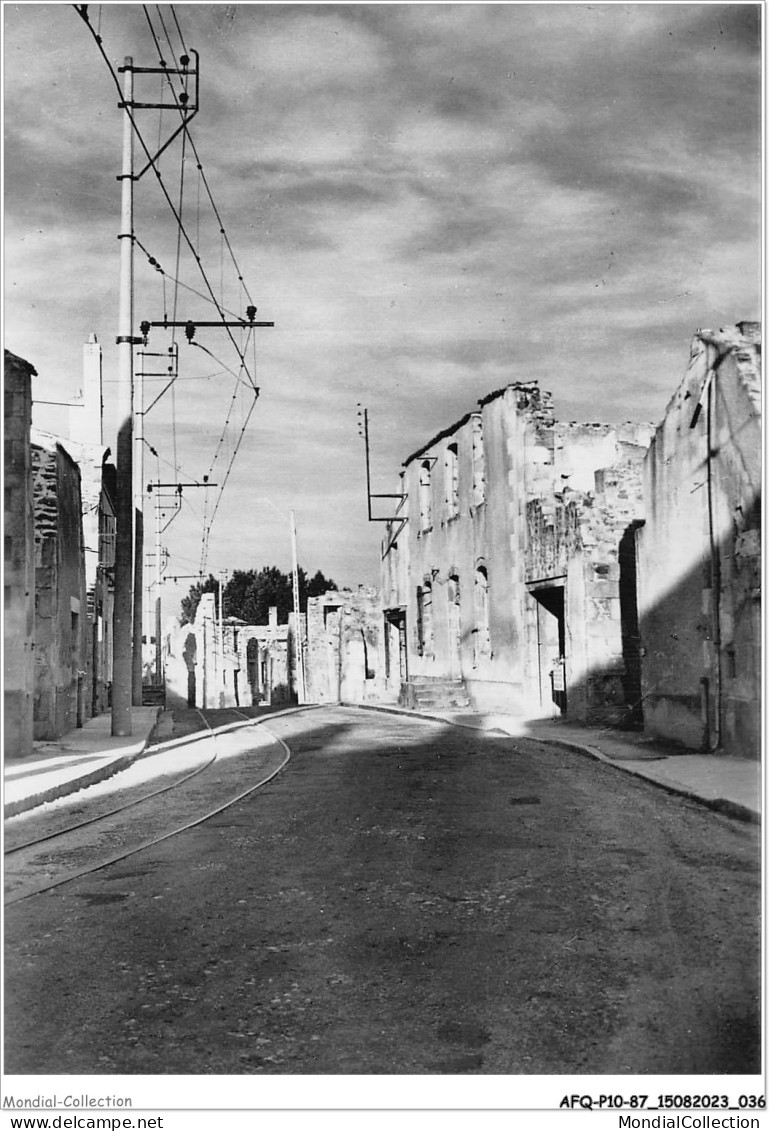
(403, 897)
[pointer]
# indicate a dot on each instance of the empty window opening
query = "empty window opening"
(425, 619)
(452, 481)
(425, 495)
(482, 625)
(330, 613)
(479, 462)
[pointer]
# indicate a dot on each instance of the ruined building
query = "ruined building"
(699, 551)
(345, 642)
(59, 556)
(19, 560)
(610, 573)
(233, 664)
(502, 573)
(60, 688)
(98, 487)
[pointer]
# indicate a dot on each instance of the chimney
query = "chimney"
(85, 417)
(273, 615)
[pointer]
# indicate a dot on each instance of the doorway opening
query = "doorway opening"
(455, 626)
(396, 644)
(551, 646)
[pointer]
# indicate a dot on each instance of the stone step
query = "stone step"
(435, 693)
(153, 696)
(441, 705)
(435, 681)
(440, 694)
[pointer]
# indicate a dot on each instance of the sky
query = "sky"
(430, 201)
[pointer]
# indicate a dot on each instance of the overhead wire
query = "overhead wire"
(192, 144)
(183, 233)
(178, 282)
(242, 351)
(152, 164)
(181, 37)
(207, 533)
(223, 235)
(165, 32)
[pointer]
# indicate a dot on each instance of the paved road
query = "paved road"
(404, 897)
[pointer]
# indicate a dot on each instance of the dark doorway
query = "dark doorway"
(631, 637)
(395, 640)
(252, 669)
(551, 646)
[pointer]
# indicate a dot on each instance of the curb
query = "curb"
(74, 785)
(123, 761)
(718, 804)
(424, 715)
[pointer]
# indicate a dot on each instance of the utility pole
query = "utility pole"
(363, 433)
(138, 506)
(222, 575)
(158, 582)
(124, 638)
(122, 655)
(301, 691)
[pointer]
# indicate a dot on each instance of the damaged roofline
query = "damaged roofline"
(446, 432)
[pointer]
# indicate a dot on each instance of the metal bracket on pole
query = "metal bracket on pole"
(178, 486)
(182, 104)
(363, 423)
(190, 325)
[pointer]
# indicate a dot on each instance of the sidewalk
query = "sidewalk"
(81, 758)
(727, 784)
(90, 754)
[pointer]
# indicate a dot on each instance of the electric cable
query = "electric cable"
(82, 12)
(181, 37)
(182, 232)
(178, 282)
(201, 171)
(224, 482)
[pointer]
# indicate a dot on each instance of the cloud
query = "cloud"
(429, 200)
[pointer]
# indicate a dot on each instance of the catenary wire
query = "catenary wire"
(152, 164)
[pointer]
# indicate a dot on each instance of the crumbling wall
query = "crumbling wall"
(345, 647)
(574, 531)
(700, 551)
(60, 601)
(19, 560)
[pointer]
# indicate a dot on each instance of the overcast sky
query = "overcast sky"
(431, 201)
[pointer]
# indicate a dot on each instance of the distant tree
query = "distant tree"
(192, 600)
(249, 594)
(315, 587)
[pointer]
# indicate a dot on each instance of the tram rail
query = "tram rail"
(27, 890)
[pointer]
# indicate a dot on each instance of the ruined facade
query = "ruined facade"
(242, 665)
(581, 600)
(19, 560)
(59, 556)
(98, 478)
(699, 552)
(501, 574)
(60, 687)
(345, 659)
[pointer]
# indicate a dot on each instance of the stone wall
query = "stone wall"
(699, 552)
(19, 560)
(345, 660)
(60, 596)
(250, 665)
(459, 581)
(580, 548)
(508, 583)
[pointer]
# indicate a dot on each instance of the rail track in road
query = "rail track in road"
(33, 855)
